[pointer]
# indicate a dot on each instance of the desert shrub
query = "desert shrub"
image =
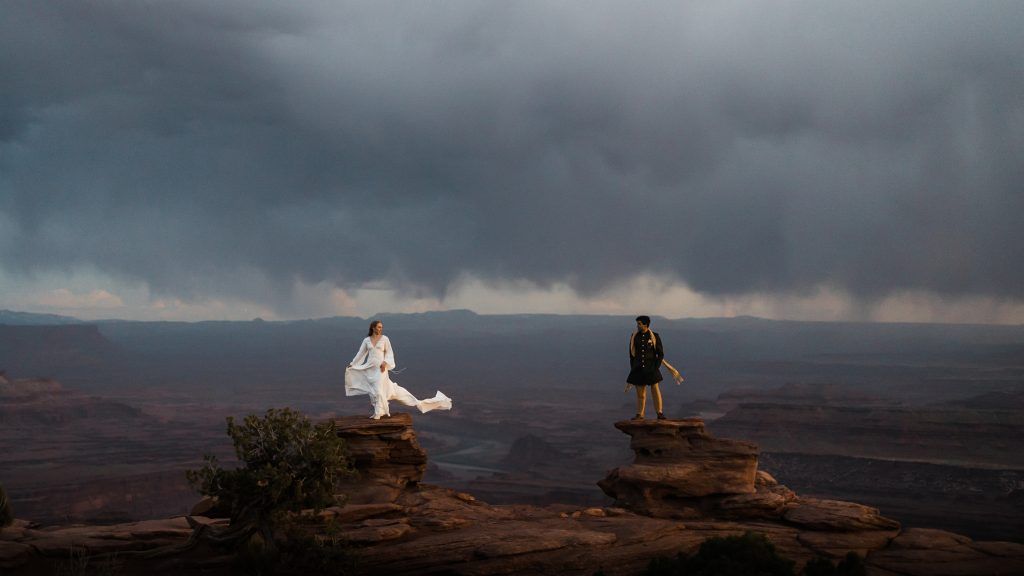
(287, 464)
(746, 555)
(851, 565)
(6, 516)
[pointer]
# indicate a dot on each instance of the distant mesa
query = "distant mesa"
(15, 318)
(38, 348)
(782, 421)
(529, 451)
(408, 318)
(992, 401)
(797, 393)
(26, 401)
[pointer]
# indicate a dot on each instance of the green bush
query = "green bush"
(6, 516)
(287, 464)
(746, 555)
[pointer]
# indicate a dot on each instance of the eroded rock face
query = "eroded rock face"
(683, 472)
(767, 503)
(430, 530)
(386, 454)
(678, 466)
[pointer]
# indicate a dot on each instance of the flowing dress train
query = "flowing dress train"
(364, 377)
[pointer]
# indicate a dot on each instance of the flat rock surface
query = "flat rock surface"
(347, 425)
(432, 530)
(936, 552)
(836, 545)
(359, 512)
(13, 553)
(64, 541)
(837, 515)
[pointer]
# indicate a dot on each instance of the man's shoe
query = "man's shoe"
(661, 416)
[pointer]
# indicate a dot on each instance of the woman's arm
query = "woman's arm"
(659, 353)
(362, 351)
(389, 354)
(672, 370)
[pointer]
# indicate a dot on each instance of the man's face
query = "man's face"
(641, 326)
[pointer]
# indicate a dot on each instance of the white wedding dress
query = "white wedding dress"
(364, 377)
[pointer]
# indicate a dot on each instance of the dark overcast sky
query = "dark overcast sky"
(215, 147)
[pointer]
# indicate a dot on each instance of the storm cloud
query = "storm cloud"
(238, 147)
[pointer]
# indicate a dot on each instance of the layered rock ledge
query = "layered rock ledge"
(678, 466)
(386, 455)
(400, 526)
(680, 471)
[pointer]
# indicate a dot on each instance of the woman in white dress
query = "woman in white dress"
(368, 374)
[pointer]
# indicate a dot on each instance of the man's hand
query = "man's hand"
(383, 366)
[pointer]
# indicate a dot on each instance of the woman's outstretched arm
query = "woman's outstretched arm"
(389, 354)
(360, 353)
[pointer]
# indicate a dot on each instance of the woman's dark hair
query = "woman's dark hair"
(645, 320)
(372, 324)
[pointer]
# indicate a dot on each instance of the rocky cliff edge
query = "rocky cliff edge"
(683, 487)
